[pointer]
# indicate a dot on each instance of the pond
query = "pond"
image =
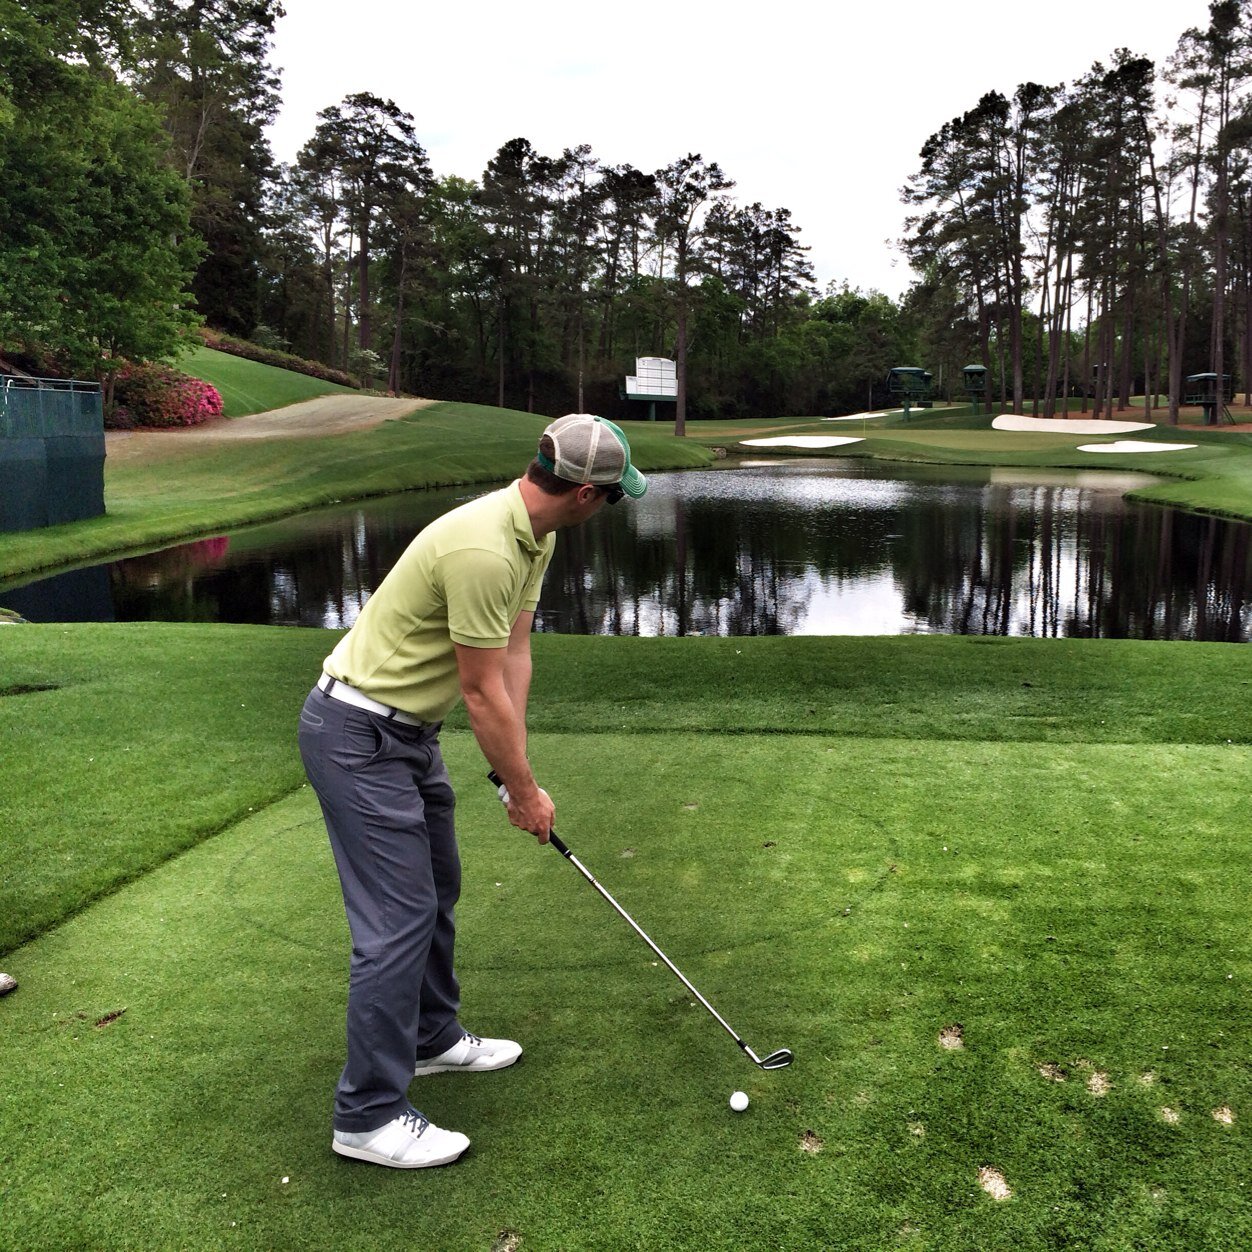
(808, 547)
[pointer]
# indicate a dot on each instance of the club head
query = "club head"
(777, 1060)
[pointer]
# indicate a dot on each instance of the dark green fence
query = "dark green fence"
(51, 452)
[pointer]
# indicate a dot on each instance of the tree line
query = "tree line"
(1084, 240)
(534, 286)
(1095, 238)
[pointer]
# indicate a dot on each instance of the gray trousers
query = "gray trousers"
(388, 807)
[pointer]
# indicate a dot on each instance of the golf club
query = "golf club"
(776, 1060)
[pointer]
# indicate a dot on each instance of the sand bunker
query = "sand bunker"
(856, 417)
(1133, 445)
(1072, 426)
(800, 441)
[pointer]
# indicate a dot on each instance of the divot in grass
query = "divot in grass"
(1225, 1115)
(1098, 1083)
(1171, 1116)
(810, 1142)
(507, 1241)
(1053, 1073)
(952, 1037)
(993, 1183)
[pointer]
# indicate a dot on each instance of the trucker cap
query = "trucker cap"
(590, 449)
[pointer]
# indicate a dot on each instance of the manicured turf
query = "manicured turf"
(852, 847)
(251, 387)
(130, 709)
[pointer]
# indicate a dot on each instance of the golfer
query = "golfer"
(451, 621)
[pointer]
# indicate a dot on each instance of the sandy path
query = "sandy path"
(323, 415)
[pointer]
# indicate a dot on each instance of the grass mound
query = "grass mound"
(251, 387)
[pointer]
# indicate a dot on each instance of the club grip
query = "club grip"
(496, 781)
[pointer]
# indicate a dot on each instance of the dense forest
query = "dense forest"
(1090, 239)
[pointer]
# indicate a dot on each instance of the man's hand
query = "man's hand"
(538, 817)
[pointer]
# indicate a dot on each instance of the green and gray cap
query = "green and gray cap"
(590, 449)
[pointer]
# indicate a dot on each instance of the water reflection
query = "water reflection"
(807, 548)
(798, 550)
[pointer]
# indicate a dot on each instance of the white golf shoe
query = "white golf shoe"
(472, 1054)
(409, 1141)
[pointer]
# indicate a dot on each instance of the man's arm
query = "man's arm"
(517, 667)
(495, 683)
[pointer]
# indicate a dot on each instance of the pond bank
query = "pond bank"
(157, 499)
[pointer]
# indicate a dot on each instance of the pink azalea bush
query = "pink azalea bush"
(157, 397)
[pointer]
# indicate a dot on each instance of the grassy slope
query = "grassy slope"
(251, 387)
(178, 495)
(182, 494)
(892, 836)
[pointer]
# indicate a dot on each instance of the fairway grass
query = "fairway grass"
(855, 848)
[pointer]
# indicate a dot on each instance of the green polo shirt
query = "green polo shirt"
(464, 579)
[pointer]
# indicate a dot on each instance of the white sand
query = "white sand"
(856, 417)
(1071, 426)
(1133, 445)
(800, 441)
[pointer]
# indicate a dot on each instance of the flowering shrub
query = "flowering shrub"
(271, 356)
(156, 396)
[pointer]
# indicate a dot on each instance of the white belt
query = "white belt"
(337, 689)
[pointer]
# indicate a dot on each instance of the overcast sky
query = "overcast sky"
(819, 108)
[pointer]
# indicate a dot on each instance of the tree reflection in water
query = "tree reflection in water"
(827, 548)
(797, 550)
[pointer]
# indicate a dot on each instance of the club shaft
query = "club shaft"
(560, 846)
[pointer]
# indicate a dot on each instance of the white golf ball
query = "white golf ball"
(738, 1101)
